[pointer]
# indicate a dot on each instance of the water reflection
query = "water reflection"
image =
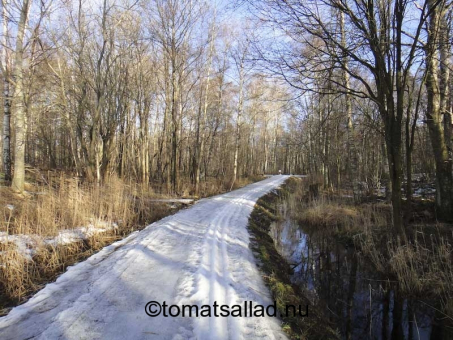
(362, 303)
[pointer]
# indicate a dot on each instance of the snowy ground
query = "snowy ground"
(26, 245)
(197, 256)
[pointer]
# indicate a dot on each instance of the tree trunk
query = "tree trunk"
(202, 125)
(437, 88)
(352, 156)
(395, 171)
(238, 127)
(410, 137)
(19, 111)
(6, 131)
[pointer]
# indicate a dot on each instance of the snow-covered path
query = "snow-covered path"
(197, 256)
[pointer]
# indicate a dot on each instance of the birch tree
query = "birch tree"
(18, 99)
(6, 133)
(373, 53)
(439, 111)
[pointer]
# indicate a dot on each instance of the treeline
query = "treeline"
(160, 91)
(176, 92)
(377, 90)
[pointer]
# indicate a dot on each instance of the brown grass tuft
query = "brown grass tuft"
(58, 204)
(327, 214)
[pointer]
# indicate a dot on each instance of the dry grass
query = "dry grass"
(423, 267)
(20, 276)
(328, 214)
(56, 203)
(64, 204)
(67, 204)
(14, 276)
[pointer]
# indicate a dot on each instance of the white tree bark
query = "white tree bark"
(18, 101)
(6, 133)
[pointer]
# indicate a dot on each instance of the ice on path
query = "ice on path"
(197, 256)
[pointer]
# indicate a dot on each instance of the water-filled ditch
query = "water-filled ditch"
(361, 302)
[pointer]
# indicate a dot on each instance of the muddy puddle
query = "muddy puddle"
(360, 302)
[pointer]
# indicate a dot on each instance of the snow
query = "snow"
(78, 234)
(174, 200)
(198, 256)
(26, 244)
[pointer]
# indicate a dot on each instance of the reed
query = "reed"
(64, 205)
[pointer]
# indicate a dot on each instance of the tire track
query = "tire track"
(198, 256)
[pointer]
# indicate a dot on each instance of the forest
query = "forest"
(110, 107)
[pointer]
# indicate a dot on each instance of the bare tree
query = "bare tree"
(439, 112)
(18, 100)
(373, 53)
(6, 133)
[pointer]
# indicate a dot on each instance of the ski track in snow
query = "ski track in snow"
(197, 256)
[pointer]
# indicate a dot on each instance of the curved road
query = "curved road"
(196, 257)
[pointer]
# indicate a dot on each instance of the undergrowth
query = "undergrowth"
(423, 267)
(55, 203)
